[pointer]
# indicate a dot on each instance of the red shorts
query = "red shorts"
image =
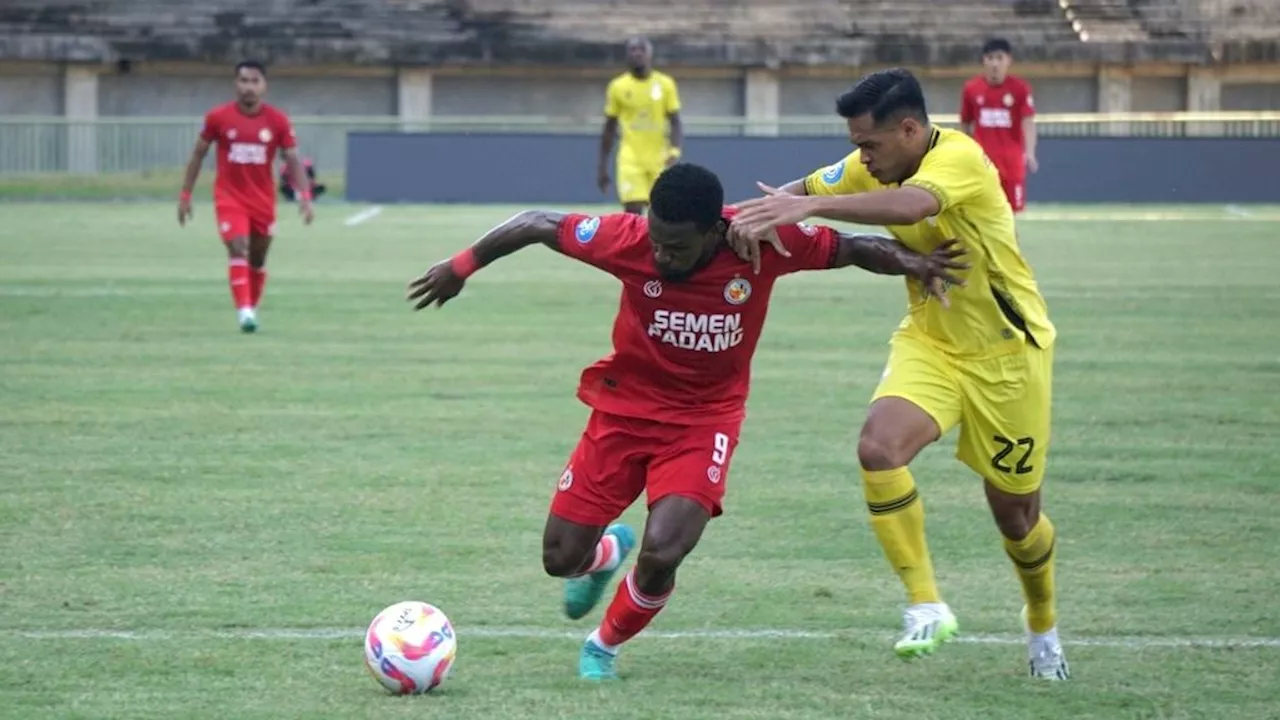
(236, 221)
(618, 458)
(1015, 188)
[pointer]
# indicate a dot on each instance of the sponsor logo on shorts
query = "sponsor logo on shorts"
(737, 290)
(586, 230)
(224, 226)
(271, 229)
(653, 289)
(833, 173)
(566, 480)
(713, 474)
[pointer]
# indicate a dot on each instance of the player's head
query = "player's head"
(888, 122)
(686, 219)
(251, 82)
(997, 55)
(639, 54)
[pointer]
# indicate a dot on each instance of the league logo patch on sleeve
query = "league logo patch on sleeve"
(807, 229)
(832, 174)
(586, 230)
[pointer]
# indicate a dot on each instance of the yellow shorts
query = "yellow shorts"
(636, 179)
(1002, 405)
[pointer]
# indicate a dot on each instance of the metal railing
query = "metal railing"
(38, 145)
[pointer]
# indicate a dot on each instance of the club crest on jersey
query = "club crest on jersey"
(833, 173)
(585, 232)
(655, 91)
(1008, 99)
(653, 289)
(264, 135)
(736, 291)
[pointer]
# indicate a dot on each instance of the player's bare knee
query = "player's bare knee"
(238, 248)
(878, 452)
(562, 559)
(1015, 515)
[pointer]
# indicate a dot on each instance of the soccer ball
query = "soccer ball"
(409, 647)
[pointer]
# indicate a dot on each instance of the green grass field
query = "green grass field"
(196, 523)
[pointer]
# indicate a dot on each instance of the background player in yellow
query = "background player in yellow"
(644, 105)
(983, 363)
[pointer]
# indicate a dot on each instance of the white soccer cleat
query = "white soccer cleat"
(248, 320)
(1045, 658)
(926, 627)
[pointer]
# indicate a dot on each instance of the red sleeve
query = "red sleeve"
(284, 130)
(599, 240)
(209, 131)
(967, 111)
(812, 247)
(1027, 107)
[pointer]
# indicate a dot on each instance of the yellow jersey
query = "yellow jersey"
(1000, 307)
(642, 106)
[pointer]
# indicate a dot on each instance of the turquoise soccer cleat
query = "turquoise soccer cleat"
(581, 594)
(596, 663)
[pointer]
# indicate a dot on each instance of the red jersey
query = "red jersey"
(682, 350)
(247, 146)
(997, 113)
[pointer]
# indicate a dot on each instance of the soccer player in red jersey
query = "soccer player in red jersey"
(668, 402)
(998, 110)
(248, 132)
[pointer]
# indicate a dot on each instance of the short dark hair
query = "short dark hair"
(251, 65)
(997, 45)
(686, 192)
(885, 94)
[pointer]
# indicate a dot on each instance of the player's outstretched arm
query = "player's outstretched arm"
(895, 206)
(886, 256)
(189, 179)
(444, 280)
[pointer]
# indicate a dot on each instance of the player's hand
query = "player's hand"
(602, 180)
(776, 208)
(306, 210)
(1033, 165)
(936, 271)
(746, 243)
(184, 211)
(438, 285)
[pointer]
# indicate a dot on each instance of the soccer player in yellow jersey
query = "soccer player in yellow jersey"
(984, 362)
(644, 105)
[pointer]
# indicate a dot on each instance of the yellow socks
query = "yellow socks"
(897, 517)
(1032, 557)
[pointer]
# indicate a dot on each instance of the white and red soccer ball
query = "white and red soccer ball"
(409, 647)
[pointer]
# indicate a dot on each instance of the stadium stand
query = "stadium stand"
(834, 32)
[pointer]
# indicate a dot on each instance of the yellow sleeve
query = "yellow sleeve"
(952, 174)
(843, 178)
(612, 108)
(672, 95)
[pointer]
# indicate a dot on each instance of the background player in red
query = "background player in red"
(668, 402)
(998, 110)
(248, 132)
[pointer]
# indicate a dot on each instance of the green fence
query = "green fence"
(53, 145)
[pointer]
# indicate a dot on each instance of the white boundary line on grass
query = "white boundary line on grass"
(363, 216)
(1137, 642)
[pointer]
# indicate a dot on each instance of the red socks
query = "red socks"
(629, 613)
(238, 275)
(257, 281)
(607, 555)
